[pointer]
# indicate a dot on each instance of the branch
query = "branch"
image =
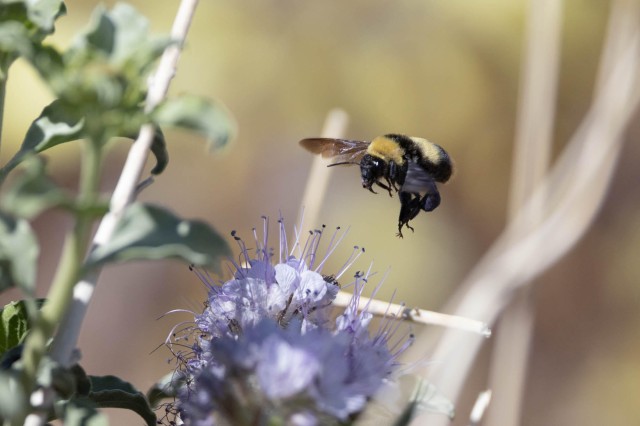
(125, 190)
(571, 195)
(422, 316)
(532, 149)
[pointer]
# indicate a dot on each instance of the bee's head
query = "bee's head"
(371, 169)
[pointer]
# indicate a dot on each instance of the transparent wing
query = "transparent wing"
(341, 150)
(418, 180)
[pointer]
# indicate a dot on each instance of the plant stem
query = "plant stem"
(68, 272)
(124, 193)
(60, 296)
(531, 159)
(3, 92)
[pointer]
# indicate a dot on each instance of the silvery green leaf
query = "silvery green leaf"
(80, 412)
(147, 232)
(18, 254)
(40, 14)
(163, 389)
(122, 35)
(33, 192)
(208, 118)
(14, 325)
(113, 392)
(54, 126)
(13, 401)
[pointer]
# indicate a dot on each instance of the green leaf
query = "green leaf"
(159, 150)
(10, 357)
(102, 77)
(45, 12)
(81, 412)
(18, 254)
(166, 387)
(112, 392)
(55, 125)
(94, 392)
(148, 232)
(14, 40)
(23, 26)
(33, 192)
(14, 324)
(40, 14)
(83, 382)
(122, 35)
(13, 401)
(212, 120)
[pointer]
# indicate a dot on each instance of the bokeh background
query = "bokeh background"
(447, 70)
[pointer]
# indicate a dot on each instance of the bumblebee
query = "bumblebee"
(408, 165)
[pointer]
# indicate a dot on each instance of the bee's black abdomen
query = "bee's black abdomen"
(431, 157)
(442, 171)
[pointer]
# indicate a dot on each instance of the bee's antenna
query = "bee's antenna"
(342, 163)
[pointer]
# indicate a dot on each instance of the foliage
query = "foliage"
(100, 88)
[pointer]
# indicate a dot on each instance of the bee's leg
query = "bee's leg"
(397, 174)
(393, 186)
(400, 225)
(410, 206)
(382, 185)
(370, 189)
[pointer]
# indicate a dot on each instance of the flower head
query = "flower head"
(266, 349)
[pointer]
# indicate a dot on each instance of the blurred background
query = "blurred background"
(447, 70)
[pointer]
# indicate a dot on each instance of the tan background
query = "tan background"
(445, 70)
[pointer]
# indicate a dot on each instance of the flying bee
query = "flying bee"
(407, 165)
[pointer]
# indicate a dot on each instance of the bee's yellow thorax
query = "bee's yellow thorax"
(387, 149)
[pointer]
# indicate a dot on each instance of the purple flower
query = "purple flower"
(294, 287)
(266, 352)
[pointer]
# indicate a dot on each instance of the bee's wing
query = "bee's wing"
(418, 180)
(341, 150)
